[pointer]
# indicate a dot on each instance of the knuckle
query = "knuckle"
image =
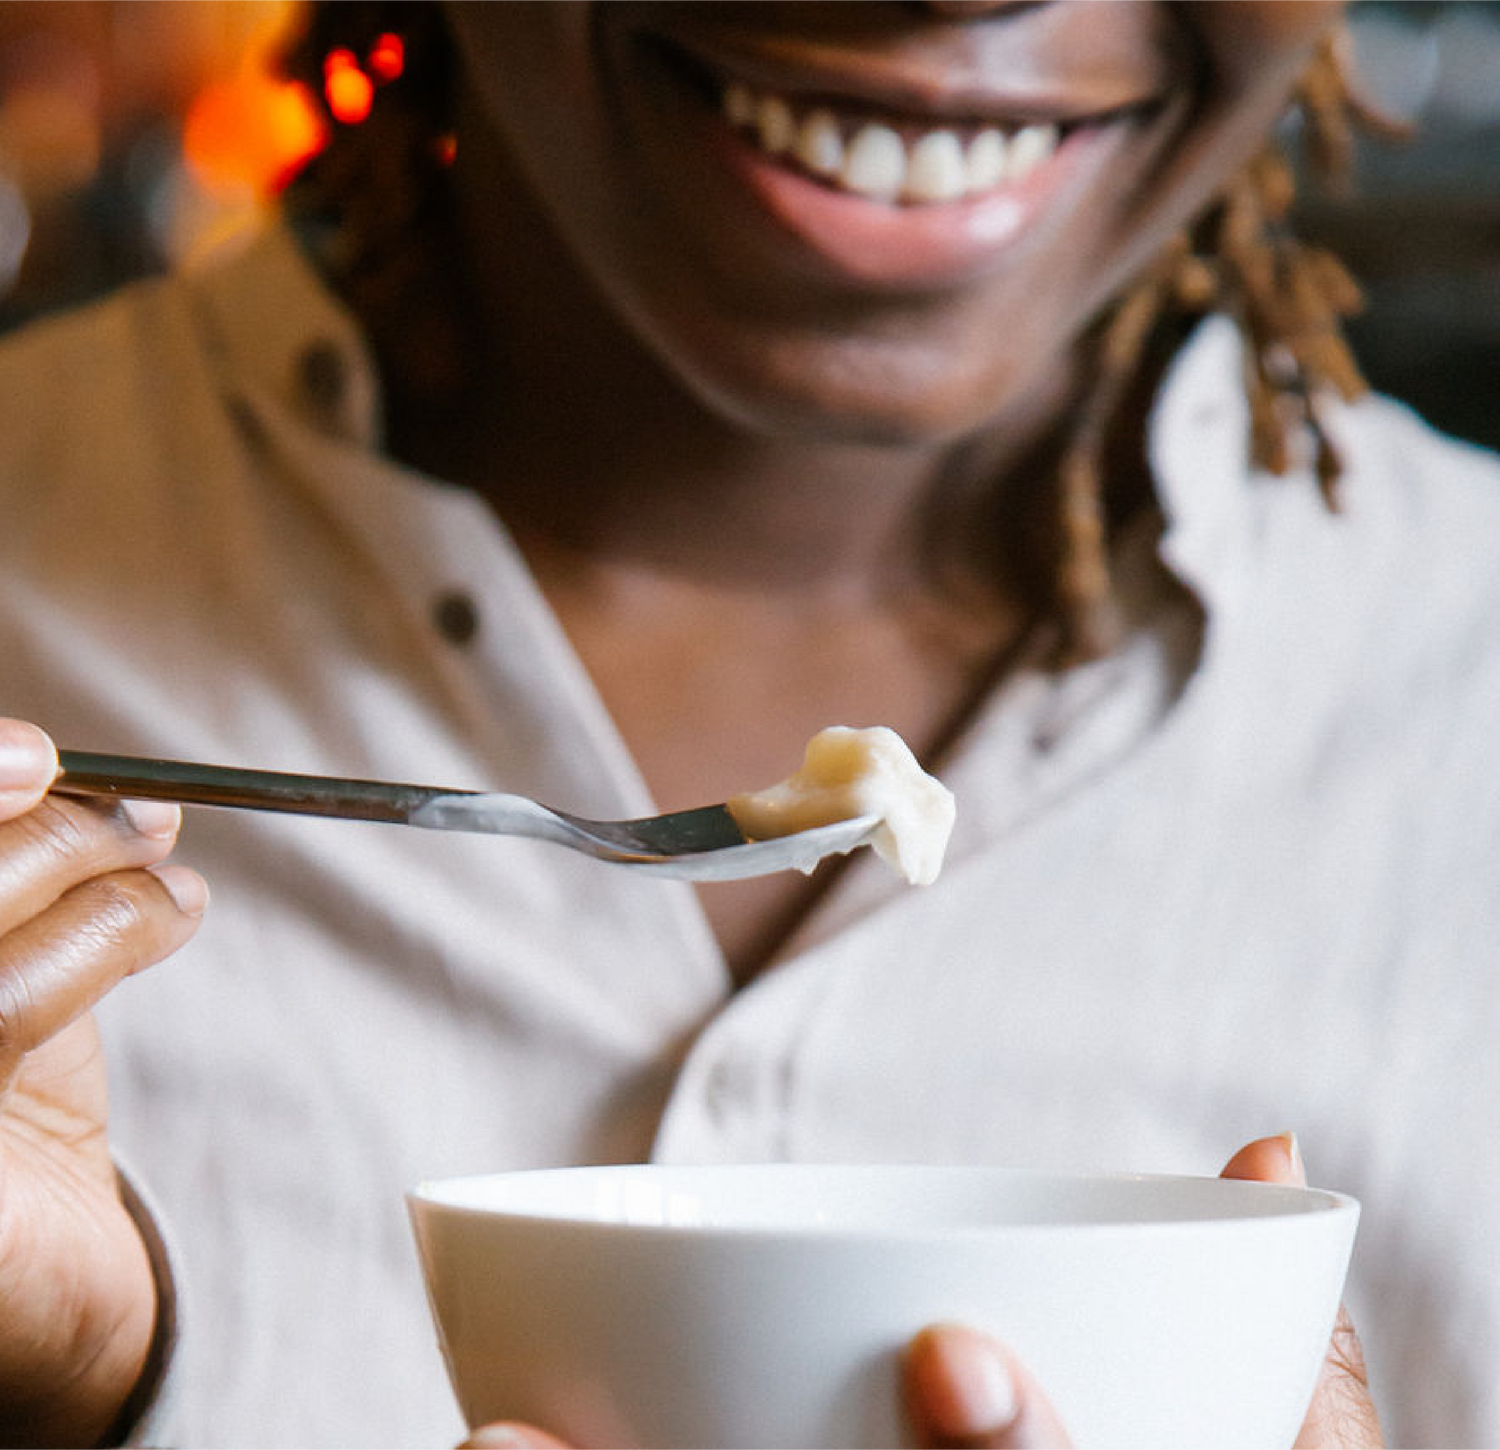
(56, 829)
(62, 962)
(15, 1015)
(112, 910)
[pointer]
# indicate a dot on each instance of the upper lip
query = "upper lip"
(962, 84)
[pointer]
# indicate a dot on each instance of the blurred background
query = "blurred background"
(135, 134)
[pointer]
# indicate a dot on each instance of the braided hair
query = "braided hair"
(1288, 299)
(386, 176)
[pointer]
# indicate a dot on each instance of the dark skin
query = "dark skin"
(84, 902)
(745, 466)
(801, 460)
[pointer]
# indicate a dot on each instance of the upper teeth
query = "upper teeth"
(876, 160)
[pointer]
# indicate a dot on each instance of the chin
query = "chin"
(873, 422)
(850, 401)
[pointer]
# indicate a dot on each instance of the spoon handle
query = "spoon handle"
(137, 778)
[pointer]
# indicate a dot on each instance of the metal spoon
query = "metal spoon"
(703, 844)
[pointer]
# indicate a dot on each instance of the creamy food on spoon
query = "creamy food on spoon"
(847, 773)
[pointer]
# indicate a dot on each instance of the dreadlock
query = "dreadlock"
(379, 181)
(1288, 299)
(371, 206)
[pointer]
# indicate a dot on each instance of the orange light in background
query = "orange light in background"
(246, 130)
(250, 130)
(348, 90)
(387, 57)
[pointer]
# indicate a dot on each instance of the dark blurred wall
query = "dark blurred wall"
(1421, 230)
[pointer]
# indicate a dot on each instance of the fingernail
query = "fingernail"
(157, 819)
(501, 1437)
(1298, 1171)
(26, 755)
(188, 890)
(966, 1387)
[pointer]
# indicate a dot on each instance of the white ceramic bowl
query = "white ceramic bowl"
(766, 1305)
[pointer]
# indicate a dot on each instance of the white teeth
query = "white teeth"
(875, 163)
(1029, 147)
(773, 119)
(739, 104)
(984, 161)
(875, 160)
(935, 168)
(820, 145)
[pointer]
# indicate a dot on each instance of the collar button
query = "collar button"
(321, 379)
(456, 616)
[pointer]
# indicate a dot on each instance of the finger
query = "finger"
(1342, 1412)
(28, 763)
(962, 1388)
(1269, 1160)
(60, 843)
(54, 967)
(509, 1435)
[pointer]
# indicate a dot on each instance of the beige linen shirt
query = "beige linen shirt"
(1242, 877)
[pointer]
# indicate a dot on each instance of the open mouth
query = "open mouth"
(885, 158)
(883, 150)
(880, 169)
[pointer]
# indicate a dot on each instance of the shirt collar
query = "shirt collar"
(279, 331)
(1198, 445)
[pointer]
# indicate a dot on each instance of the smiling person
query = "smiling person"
(634, 391)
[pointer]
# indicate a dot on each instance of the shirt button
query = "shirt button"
(456, 617)
(321, 378)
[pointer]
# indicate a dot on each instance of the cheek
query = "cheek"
(529, 69)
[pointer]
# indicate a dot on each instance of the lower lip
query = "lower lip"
(877, 243)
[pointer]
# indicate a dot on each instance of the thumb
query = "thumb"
(1342, 1413)
(511, 1435)
(964, 1389)
(1269, 1160)
(28, 763)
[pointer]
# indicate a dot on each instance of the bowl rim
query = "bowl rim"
(1267, 1204)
